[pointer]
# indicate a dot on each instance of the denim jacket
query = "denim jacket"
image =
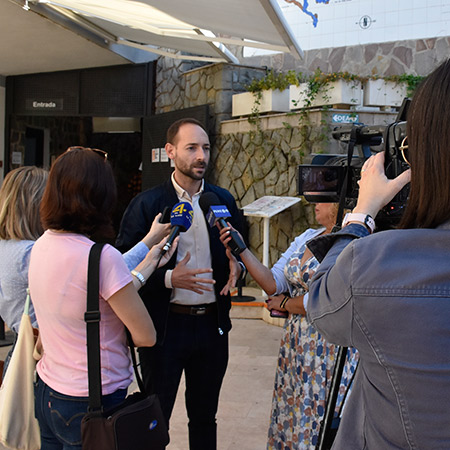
(388, 295)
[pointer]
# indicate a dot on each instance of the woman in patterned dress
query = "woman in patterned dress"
(305, 360)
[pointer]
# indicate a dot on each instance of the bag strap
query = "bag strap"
(92, 319)
(135, 366)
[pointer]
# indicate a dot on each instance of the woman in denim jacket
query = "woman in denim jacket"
(388, 294)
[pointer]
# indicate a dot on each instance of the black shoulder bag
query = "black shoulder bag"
(135, 424)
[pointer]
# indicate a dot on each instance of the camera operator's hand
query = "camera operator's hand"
(375, 189)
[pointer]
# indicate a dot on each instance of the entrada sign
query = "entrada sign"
(44, 105)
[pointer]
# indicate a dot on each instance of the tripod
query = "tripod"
(330, 424)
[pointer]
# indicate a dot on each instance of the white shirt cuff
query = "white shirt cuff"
(168, 279)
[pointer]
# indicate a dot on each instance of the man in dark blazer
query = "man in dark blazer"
(186, 298)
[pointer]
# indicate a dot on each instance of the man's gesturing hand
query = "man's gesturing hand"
(184, 277)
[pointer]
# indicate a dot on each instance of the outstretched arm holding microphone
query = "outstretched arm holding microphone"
(263, 276)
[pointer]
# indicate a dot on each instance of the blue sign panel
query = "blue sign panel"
(345, 118)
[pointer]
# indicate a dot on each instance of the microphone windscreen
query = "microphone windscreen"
(182, 215)
(207, 199)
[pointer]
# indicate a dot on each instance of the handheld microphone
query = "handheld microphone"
(216, 214)
(181, 220)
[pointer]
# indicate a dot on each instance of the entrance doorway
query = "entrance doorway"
(36, 147)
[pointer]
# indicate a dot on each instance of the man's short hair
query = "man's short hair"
(172, 131)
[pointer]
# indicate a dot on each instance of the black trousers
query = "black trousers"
(193, 344)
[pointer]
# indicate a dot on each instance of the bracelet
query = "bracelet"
(284, 301)
(139, 277)
(243, 271)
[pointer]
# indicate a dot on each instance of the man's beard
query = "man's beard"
(190, 171)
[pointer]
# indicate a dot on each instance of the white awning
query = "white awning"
(199, 29)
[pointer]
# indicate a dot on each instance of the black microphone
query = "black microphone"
(181, 220)
(215, 214)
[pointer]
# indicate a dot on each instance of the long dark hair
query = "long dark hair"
(81, 194)
(428, 130)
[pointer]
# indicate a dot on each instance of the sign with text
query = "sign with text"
(155, 155)
(345, 118)
(44, 104)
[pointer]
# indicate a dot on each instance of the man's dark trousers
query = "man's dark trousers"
(192, 343)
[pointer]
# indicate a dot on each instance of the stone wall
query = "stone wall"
(416, 57)
(251, 167)
(180, 86)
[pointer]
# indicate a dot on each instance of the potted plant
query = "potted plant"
(389, 91)
(338, 89)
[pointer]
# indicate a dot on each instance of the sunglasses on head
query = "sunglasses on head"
(101, 153)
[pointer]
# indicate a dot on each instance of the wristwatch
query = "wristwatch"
(359, 217)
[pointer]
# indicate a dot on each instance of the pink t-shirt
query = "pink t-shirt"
(58, 285)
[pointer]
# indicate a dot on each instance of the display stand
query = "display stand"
(240, 298)
(267, 207)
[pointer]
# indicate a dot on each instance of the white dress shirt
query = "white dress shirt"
(195, 241)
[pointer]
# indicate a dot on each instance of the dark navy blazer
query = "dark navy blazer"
(136, 223)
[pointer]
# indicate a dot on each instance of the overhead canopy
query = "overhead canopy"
(30, 43)
(187, 29)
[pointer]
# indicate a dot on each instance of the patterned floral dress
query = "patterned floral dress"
(305, 367)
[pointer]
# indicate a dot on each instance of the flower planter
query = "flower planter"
(271, 101)
(338, 94)
(384, 93)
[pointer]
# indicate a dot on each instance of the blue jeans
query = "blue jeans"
(60, 415)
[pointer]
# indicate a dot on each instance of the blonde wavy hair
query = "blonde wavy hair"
(20, 198)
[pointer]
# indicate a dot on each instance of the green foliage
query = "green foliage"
(275, 80)
(411, 81)
(318, 83)
(320, 79)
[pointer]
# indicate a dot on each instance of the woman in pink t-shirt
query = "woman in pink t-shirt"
(76, 212)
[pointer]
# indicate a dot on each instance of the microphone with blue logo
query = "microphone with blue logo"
(181, 220)
(216, 215)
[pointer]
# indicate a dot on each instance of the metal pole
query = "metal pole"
(266, 238)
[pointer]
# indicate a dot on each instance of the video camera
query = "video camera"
(334, 178)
